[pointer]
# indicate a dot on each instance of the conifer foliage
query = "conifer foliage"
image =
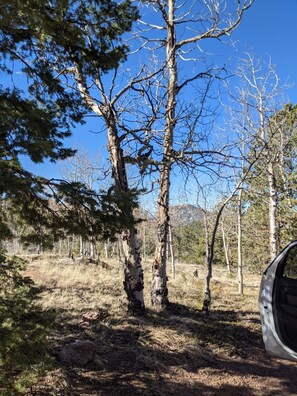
(23, 329)
(37, 112)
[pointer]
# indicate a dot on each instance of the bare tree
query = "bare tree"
(207, 289)
(239, 173)
(239, 244)
(204, 21)
(260, 98)
(85, 169)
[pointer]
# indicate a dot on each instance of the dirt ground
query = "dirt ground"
(177, 352)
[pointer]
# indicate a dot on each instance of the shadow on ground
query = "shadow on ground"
(150, 355)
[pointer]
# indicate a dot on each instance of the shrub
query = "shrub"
(23, 329)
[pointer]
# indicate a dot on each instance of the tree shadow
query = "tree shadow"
(133, 359)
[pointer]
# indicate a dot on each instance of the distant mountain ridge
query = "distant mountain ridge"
(182, 215)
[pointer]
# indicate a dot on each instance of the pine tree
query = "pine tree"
(37, 113)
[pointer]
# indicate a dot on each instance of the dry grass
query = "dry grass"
(162, 351)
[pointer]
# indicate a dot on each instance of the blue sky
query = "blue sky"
(268, 28)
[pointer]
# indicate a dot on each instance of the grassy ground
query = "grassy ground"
(179, 352)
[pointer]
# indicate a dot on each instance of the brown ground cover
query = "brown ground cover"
(177, 352)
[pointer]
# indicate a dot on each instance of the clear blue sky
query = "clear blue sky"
(268, 28)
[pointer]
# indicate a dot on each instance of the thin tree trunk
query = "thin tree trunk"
(81, 246)
(226, 248)
(239, 243)
(207, 290)
(171, 251)
(273, 231)
(70, 247)
(206, 232)
(159, 293)
(92, 248)
(208, 261)
(106, 250)
(60, 247)
(73, 246)
(115, 249)
(144, 241)
(119, 251)
(39, 248)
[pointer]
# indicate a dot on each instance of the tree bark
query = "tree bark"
(144, 241)
(268, 152)
(171, 251)
(273, 229)
(226, 248)
(210, 254)
(159, 290)
(106, 249)
(159, 293)
(206, 231)
(239, 244)
(60, 246)
(81, 246)
(207, 290)
(133, 273)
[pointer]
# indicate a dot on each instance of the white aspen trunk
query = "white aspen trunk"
(273, 230)
(206, 232)
(210, 252)
(106, 246)
(66, 245)
(159, 293)
(159, 280)
(119, 252)
(81, 246)
(39, 248)
(144, 241)
(239, 244)
(60, 247)
(92, 249)
(207, 289)
(70, 247)
(226, 248)
(73, 246)
(208, 261)
(171, 252)
(115, 250)
(133, 273)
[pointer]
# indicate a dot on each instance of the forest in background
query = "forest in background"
(228, 132)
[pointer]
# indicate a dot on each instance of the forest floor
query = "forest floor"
(177, 352)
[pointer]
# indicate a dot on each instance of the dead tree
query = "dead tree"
(213, 20)
(259, 95)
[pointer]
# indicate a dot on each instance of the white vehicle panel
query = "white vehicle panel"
(271, 338)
